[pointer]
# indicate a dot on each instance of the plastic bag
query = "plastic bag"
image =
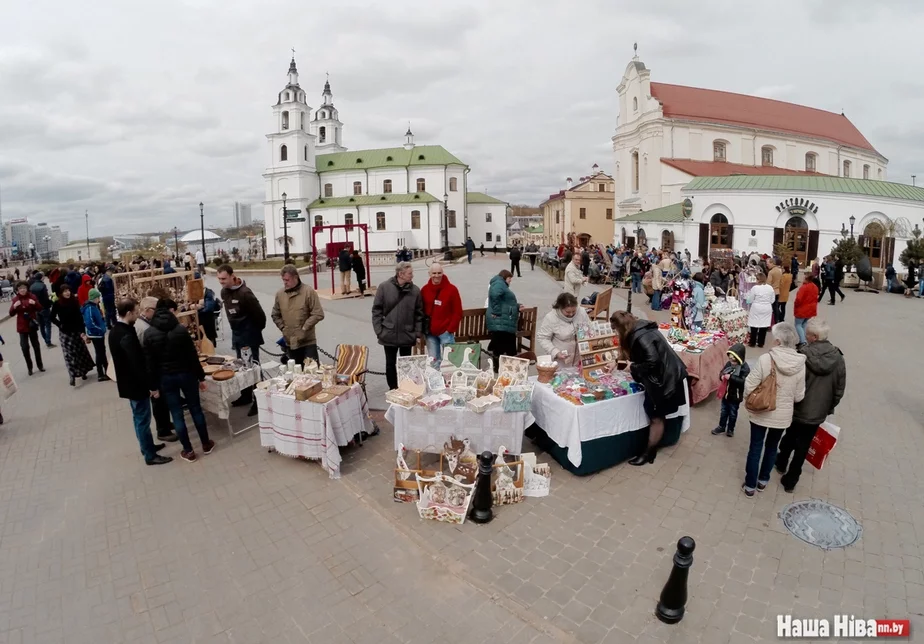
(7, 383)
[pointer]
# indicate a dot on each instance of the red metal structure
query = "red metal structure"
(332, 244)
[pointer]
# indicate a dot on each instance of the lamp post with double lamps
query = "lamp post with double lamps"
(205, 260)
(447, 254)
(285, 231)
(176, 242)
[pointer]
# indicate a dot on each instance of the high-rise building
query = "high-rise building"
(20, 233)
(58, 239)
(242, 216)
(42, 239)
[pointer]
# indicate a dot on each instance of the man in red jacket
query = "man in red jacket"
(443, 310)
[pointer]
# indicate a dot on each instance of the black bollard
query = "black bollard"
(481, 504)
(674, 596)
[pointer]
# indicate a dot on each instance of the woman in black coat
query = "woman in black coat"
(655, 366)
(359, 267)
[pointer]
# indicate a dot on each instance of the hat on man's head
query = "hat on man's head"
(94, 294)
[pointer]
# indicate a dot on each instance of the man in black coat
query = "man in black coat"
(397, 318)
(131, 379)
(247, 320)
(515, 255)
(174, 367)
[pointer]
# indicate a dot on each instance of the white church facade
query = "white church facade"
(704, 169)
(407, 196)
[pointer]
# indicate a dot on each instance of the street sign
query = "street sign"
(292, 214)
(295, 219)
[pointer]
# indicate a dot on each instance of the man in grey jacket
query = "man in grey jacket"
(397, 317)
(825, 381)
(158, 405)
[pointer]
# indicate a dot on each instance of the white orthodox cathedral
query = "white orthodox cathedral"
(400, 193)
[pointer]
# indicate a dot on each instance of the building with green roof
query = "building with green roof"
(413, 195)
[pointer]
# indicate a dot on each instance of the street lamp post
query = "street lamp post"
(285, 231)
(205, 259)
(447, 254)
(176, 242)
(853, 220)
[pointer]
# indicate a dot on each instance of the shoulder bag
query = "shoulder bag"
(763, 398)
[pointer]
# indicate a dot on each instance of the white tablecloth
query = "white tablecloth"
(429, 430)
(310, 430)
(568, 424)
(218, 396)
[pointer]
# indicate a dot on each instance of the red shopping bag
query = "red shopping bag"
(824, 441)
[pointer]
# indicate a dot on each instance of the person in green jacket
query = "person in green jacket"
(502, 317)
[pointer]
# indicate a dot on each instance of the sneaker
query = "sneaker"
(717, 431)
(208, 447)
(159, 460)
(159, 446)
(168, 438)
(730, 433)
(189, 456)
(747, 491)
(761, 486)
(51, 345)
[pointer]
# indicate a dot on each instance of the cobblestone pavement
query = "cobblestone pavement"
(246, 546)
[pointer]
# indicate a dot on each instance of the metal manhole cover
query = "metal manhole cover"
(821, 524)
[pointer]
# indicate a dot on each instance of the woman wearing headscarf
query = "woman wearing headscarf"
(656, 367)
(556, 333)
(66, 315)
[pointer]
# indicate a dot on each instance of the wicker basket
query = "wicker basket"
(546, 372)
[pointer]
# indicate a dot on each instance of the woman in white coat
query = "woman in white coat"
(556, 333)
(761, 298)
(574, 278)
(789, 368)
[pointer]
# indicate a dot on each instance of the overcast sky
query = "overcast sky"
(139, 111)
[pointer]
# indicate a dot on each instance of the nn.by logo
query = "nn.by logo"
(791, 627)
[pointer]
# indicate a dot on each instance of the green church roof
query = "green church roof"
(371, 200)
(480, 197)
(868, 187)
(665, 214)
(386, 158)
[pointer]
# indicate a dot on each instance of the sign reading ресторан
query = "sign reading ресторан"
(791, 627)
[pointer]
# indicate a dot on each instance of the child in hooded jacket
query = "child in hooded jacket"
(731, 389)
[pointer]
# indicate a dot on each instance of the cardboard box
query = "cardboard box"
(337, 390)
(305, 392)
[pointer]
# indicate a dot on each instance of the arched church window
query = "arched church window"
(421, 185)
(810, 158)
(323, 114)
(319, 220)
(306, 153)
(380, 221)
(720, 232)
(348, 219)
(386, 186)
(301, 123)
(415, 219)
(847, 168)
(357, 187)
(283, 153)
(718, 150)
(288, 96)
(766, 155)
(453, 184)
(285, 120)
(635, 104)
(322, 134)
(866, 172)
(328, 190)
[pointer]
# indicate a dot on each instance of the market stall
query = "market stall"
(219, 394)
(586, 437)
(703, 354)
(312, 430)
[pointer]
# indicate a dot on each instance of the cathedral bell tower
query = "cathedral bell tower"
(291, 170)
(326, 125)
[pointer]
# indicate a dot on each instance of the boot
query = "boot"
(647, 456)
(253, 408)
(245, 399)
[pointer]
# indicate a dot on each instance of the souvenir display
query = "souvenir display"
(434, 401)
(405, 488)
(435, 381)
(597, 346)
(306, 391)
(411, 369)
(402, 398)
(481, 404)
(454, 354)
(546, 369)
(484, 383)
(511, 371)
(460, 459)
(506, 478)
(579, 391)
(443, 499)
(727, 316)
(692, 341)
(461, 395)
(517, 397)
(537, 477)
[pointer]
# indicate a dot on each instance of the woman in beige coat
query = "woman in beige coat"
(574, 278)
(556, 333)
(770, 425)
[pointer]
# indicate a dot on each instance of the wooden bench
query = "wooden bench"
(473, 328)
(602, 305)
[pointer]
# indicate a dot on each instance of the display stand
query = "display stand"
(601, 352)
